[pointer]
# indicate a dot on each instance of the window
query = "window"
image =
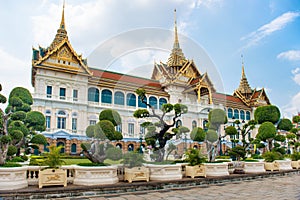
(131, 99)
(247, 115)
(229, 113)
(61, 120)
(178, 123)
(73, 148)
(242, 114)
(236, 114)
(142, 130)
(48, 122)
(49, 91)
(205, 127)
(62, 93)
(74, 125)
(93, 122)
(130, 129)
(106, 96)
(119, 98)
(194, 124)
(161, 102)
(141, 104)
(93, 94)
(153, 102)
(119, 128)
(75, 95)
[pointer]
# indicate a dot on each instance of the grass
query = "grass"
(74, 161)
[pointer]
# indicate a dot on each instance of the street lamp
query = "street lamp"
(141, 143)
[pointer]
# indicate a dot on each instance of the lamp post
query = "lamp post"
(141, 143)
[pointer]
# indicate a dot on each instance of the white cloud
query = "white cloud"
(14, 72)
(293, 107)
(296, 73)
(292, 55)
(275, 25)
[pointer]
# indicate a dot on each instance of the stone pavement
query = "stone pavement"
(281, 188)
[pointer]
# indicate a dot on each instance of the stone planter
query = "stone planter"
(164, 172)
(284, 164)
(12, 178)
(216, 169)
(136, 174)
(271, 166)
(254, 167)
(49, 177)
(195, 171)
(95, 175)
(295, 164)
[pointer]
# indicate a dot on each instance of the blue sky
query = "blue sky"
(266, 32)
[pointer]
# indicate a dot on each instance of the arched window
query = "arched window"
(93, 94)
(194, 124)
(61, 119)
(153, 102)
(229, 113)
(141, 104)
(178, 123)
(161, 102)
(119, 98)
(61, 144)
(131, 99)
(130, 147)
(242, 114)
(73, 148)
(247, 115)
(236, 114)
(119, 145)
(106, 96)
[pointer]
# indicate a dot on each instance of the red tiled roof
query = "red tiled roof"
(256, 94)
(124, 78)
(226, 97)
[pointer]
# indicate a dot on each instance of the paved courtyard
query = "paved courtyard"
(287, 187)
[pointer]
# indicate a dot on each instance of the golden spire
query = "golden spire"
(176, 57)
(244, 86)
(61, 32)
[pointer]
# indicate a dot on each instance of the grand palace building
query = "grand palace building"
(71, 94)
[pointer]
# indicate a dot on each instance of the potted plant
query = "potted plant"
(295, 160)
(195, 160)
(134, 169)
(270, 157)
(53, 174)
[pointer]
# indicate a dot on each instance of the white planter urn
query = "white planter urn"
(95, 175)
(284, 164)
(164, 172)
(136, 174)
(216, 169)
(12, 178)
(195, 171)
(254, 167)
(295, 164)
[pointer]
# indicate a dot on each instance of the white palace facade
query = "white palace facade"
(71, 94)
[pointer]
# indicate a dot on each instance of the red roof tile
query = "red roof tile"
(125, 78)
(226, 97)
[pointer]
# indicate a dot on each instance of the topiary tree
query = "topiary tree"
(296, 120)
(266, 133)
(198, 134)
(101, 133)
(269, 113)
(216, 117)
(285, 124)
(157, 133)
(18, 124)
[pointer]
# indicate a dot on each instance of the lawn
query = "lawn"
(74, 161)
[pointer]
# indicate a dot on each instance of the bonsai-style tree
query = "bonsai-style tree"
(18, 124)
(285, 124)
(267, 133)
(238, 152)
(245, 130)
(101, 133)
(133, 159)
(269, 113)
(170, 149)
(216, 117)
(296, 120)
(198, 134)
(157, 133)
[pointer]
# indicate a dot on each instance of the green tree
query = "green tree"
(296, 119)
(101, 133)
(18, 124)
(216, 118)
(269, 113)
(157, 133)
(266, 132)
(285, 124)
(198, 134)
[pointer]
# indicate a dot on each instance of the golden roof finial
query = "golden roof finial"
(62, 23)
(61, 32)
(243, 70)
(176, 42)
